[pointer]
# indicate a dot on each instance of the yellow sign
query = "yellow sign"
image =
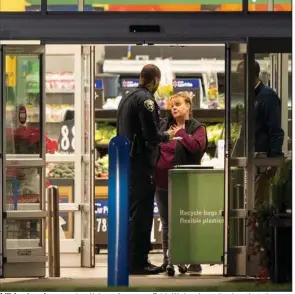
(10, 70)
(12, 5)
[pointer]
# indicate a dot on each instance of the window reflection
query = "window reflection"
(134, 6)
(263, 5)
(19, 5)
(22, 80)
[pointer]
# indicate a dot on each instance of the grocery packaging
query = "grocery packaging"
(211, 86)
(165, 89)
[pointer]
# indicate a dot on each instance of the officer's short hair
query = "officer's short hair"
(149, 72)
(240, 68)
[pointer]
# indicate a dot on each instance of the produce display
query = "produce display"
(235, 131)
(163, 95)
(104, 133)
(60, 170)
(102, 167)
(112, 103)
(217, 132)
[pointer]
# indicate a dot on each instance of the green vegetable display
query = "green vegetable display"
(104, 133)
(217, 132)
(102, 167)
(61, 170)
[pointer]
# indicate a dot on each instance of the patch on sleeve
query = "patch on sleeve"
(149, 104)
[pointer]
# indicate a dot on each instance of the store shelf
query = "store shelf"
(105, 115)
(60, 157)
(54, 122)
(188, 66)
(61, 182)
(57, 91)
(101, 182)
(101, 146)
(204, 115)
(209, 115)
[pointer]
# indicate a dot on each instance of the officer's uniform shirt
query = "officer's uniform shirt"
(138, 119)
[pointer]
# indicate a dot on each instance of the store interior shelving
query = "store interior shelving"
(204, 115)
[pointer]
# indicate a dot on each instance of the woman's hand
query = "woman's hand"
(177, 128)
(171, 133)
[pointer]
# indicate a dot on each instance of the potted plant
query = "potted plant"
(260, 220)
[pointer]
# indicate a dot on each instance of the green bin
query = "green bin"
(196, 222)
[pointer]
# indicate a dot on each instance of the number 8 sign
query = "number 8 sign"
(67, 137)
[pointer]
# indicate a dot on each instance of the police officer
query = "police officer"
(138, 119)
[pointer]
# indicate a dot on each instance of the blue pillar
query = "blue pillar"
(118, 212)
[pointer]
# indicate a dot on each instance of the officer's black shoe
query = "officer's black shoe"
(164, 267)
(194, 268)
(148, 263)
(145, 270)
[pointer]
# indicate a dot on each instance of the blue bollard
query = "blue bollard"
(118, 212)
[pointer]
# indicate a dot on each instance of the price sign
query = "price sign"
(101, 224)
(66, 139)
(101, 231)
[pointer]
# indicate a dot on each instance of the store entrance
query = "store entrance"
(82, 89)
(252, 172)
(196, 69)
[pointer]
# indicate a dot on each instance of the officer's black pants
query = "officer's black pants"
(141, 207)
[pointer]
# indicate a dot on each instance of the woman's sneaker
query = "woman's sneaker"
(194, 268)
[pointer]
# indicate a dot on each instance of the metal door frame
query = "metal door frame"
(236, 255)
(23, 262)
(88, 208)
(258, 45)
(71, 245)
(254, 45)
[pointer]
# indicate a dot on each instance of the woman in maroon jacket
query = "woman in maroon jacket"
(188, 148)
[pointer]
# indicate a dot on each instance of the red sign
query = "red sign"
(22, 115)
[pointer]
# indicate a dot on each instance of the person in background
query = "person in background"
(269, 135)
(187, 147)
(138, 120)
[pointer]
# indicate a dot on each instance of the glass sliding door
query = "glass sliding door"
(235, 212)
(267, 151)
(23, 166)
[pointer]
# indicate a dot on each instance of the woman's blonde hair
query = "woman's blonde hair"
(187, 99)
